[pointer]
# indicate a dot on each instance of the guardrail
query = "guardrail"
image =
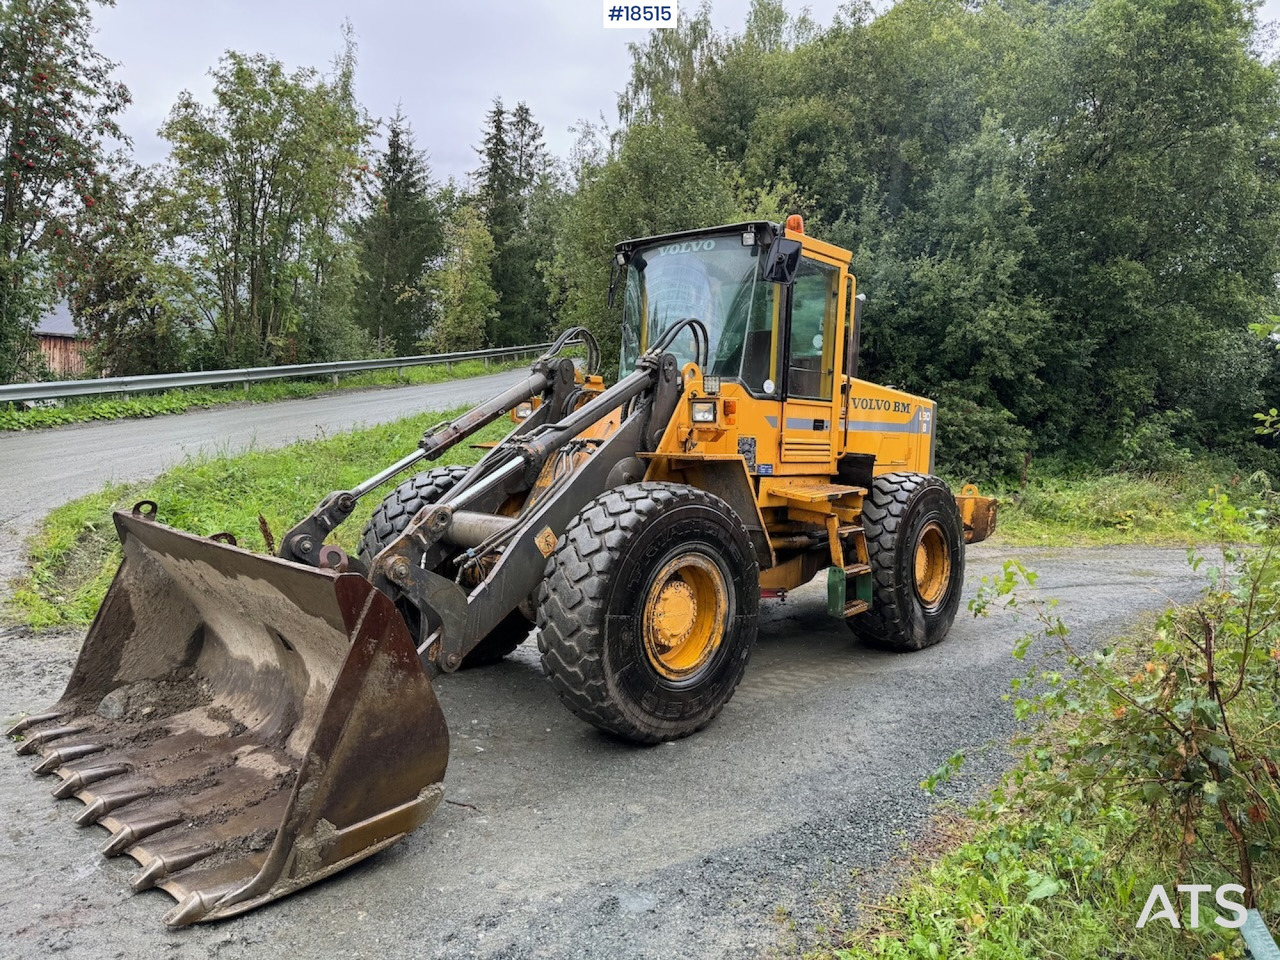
(1258, 944)
(56, 389)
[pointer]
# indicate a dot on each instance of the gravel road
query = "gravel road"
(563, 843)
(558, 841)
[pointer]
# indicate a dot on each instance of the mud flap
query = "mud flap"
(242, 725)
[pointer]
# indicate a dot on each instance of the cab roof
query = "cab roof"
(765, 231)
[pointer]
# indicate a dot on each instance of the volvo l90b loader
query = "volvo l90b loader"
(244, 725)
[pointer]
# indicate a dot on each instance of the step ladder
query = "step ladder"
(848, 590)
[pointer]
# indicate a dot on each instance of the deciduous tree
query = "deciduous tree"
(58, 109)
(268, 174)
(460, 289)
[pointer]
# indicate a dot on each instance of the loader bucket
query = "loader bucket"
(242, 725)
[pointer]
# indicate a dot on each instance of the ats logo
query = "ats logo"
(1167, 912)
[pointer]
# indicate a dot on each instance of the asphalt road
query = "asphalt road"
(560, 842)
(41, 469)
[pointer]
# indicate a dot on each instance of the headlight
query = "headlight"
(704, 411)
(524, 410)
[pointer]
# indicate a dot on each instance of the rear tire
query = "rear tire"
(915, 540)
(647, 612)
(390, 520)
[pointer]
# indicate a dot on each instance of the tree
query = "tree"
(513, 166)
(1157, 203)
(399, 235)
(659, 179)
(267, 175)
(1064, 214)
(131, 300)
(460, 290)
(669, 66)
(58, 106)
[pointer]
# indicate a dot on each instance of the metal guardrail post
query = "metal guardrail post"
(1258, 942)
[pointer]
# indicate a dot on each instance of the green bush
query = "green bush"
(980, 442)
(1152, 760)
(1151, 446)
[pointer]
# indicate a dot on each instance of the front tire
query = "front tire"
(647, 612)
(915, 541)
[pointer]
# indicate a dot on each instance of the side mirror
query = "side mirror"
(782, 261)
(614, 274)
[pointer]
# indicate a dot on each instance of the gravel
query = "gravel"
(561, 842)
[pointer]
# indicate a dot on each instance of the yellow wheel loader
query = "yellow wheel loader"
(244, 725)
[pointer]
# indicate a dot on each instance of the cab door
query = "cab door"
(811, 352)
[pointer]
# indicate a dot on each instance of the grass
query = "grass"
(116, 407)
(74, 554)
(1023, 875)
(1116, 508)
(1028, 886)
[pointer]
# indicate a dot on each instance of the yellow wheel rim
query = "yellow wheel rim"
(933, 565)
(684, 615)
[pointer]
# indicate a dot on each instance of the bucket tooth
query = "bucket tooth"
(194, 907)
(104, 803)
(56, 758)
(162, 867)
(92, 813)
(80, 779)
(130, 833)
(34, 742)
(26, 723)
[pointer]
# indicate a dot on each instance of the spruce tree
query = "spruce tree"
(513, 162)
(400, 236)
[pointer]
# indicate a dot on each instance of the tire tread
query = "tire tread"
(884, 509)
(571, 603)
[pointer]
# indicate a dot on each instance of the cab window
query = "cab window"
(814, 298)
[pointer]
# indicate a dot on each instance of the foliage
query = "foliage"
(1055, 507)
(1186, 740)
(58, 108)
(660, 179)
(460, 287)
(134, 305)
(264, 180)
(1063, 214)
(514, 170)
(399, 235)
(1030, 885)
(1150, 761)
(75, 552)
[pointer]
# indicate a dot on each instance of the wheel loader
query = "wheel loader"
(244, 725)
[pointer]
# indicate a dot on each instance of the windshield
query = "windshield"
(716, 280)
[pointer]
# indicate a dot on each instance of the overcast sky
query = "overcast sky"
(445, 61)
